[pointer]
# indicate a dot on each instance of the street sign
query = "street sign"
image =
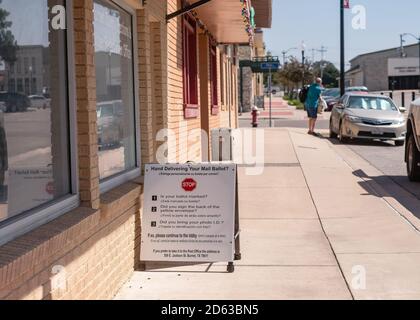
(270, 66)
(189, 213)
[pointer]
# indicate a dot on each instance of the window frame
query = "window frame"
(190, 67)
(114, 181)
(214, 94)
(25, 222)
(223, 75)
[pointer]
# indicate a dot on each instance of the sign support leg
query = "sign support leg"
(237, 255)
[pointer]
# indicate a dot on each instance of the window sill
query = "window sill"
(191, 111)
(115, 181)
(31, 220)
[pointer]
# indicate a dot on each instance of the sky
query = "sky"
(317, 24)
(32, 31)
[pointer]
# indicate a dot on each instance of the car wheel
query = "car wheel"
(413, 160)
(333, 135)
(343, 138)
(399, 143)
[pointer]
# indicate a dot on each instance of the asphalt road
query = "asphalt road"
(27, 131)
(389, 159)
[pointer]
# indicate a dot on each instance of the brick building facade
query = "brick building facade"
(82, 239)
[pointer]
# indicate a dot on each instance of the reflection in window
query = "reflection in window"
(114, 88)
(34, 157)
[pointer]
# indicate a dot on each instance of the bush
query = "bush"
(294, 102)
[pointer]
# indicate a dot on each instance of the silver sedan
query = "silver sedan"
(367, 116)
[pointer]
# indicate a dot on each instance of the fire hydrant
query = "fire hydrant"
(255, 113)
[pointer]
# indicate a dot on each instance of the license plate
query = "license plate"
(377, 132)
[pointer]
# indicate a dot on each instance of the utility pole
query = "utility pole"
(285, 52)
(323, 51)
(270, 89)
(342, 48)
(402, 52)
(303, 63)
(322, 67)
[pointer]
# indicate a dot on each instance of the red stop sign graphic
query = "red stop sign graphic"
(189, 185)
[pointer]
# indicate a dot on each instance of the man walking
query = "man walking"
(312, 101)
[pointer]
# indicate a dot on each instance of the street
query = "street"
(28, 138)
(389, 159)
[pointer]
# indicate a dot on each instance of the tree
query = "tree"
(293, 74)
(8, 44)
(331, 73)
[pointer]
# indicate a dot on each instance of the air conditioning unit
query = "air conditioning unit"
(223, 143)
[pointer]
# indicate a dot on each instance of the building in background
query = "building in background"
(386, 70)
(27, 74)
(251, 85)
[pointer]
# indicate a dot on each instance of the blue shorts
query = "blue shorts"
(312, 112)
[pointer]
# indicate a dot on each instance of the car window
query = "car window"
(331, 93)
(106, 111)
(371, 103)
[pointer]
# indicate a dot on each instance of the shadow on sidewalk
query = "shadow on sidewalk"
(389, 188)
(361, 142)
(181, 267)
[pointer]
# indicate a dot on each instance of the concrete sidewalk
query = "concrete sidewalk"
(309, 225)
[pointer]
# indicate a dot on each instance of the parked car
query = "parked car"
(39, 102)
(367, 116)
(15, 102)
(412, 148)
(332, 96)
(357, 89)
(110, 126)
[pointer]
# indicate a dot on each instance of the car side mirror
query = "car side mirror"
(403, 110)
(339, 106)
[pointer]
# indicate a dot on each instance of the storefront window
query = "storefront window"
(190, 68)
(114, 88)
(34, 132)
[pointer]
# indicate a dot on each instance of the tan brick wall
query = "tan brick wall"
(183, 150)
(96, 251)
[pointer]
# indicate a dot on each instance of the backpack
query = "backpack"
(303, 94)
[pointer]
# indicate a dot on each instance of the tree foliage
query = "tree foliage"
(8, 44)
(331, 73)
(291, 75)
